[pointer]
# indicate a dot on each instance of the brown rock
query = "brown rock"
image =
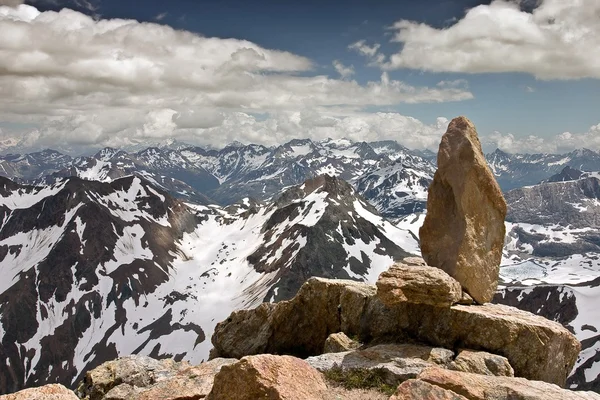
(463, 232)
(48, 392)
(403, 283)
(483, 387)
(339, 342)
(483, 363)
(299, 326)
(268, 377)
(414, 389)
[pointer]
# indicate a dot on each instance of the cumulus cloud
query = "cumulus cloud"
(285, 125)
(557, 40)
(107, 81)
(345, 72)
(560, 143)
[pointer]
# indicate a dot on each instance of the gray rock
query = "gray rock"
(399, 361)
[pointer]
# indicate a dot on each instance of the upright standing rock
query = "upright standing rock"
(463, 232)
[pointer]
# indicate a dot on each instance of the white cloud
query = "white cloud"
(558, 40)
(371, 52)
(98, 82)
(161, 16)
(315, 125)
(345, 72)
(561, 143)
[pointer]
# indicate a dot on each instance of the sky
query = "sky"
(85, 74)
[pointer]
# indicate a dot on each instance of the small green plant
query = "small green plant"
(360, 378)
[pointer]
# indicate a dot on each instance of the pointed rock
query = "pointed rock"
(463, 232)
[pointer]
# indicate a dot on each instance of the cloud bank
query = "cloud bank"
(560, 143)
(558, 40)
(100, 82)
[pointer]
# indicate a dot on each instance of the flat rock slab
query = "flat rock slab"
(48, 392)
(463, 231)
(268, 377)
(482, 387)
(419, 284)
(420, 390)
(399, 362)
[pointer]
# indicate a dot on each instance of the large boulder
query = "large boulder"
(298, 326)
(48, 392)
(417, 284)
(268, 377)
(536, 348)
(463, 231)
(483, 387)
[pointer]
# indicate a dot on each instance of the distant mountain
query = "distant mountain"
(388, 174)
(518, 170)
(552, 260)
(92, 270)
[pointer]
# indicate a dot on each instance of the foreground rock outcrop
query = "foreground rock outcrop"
(463, 231)
(536, 348)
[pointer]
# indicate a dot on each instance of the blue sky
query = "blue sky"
(524, 74)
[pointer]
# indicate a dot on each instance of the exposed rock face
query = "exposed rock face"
(268, 377)
(339, 342)
(414, 389)
(535, 347)
(482, 387)
(463, 232)
(143, 378)
(398, 362)
(483, 363)
(417, 284)
(48, 392)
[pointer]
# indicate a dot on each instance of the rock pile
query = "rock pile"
(535, 347)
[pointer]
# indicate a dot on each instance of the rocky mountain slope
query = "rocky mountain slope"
(92, 270)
